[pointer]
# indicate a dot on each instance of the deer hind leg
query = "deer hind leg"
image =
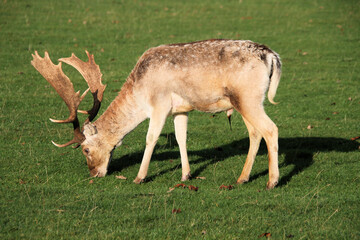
(157, 121)
(180, 122)
(252, 110)
(255, 138)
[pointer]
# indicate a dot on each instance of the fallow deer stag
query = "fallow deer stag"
(210, 76)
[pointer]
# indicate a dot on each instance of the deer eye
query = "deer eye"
(86, 151)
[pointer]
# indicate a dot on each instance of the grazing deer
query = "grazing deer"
(210, 76)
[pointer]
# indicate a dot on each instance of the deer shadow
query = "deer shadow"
(299, 153)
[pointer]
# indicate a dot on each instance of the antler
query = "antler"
(92, 75)
(63, 86)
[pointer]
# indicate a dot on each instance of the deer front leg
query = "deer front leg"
(180, 122)
(157, 121)
(255, 138)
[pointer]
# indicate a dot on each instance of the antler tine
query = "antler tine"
(78, 137)
(63, 86)
(92, 75)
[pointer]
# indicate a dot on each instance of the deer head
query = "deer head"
(97, 152)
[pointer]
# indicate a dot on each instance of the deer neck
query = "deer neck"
(121, 117)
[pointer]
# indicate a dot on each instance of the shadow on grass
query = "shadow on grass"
(299, 153)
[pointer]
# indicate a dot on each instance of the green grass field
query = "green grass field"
(46, 192)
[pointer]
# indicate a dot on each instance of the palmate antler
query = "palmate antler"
(63, 86)
(92, 75)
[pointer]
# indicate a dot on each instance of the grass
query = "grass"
(46, 192)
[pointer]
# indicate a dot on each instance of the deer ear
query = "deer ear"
(89, 129)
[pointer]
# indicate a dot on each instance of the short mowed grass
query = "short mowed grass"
(46, 192)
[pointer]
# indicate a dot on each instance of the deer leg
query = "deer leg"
(255, 138)
(157, 121)
(254, 113)
(180, 122)
(269, 131)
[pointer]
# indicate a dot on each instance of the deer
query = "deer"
(216, 75)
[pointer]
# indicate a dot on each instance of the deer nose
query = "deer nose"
(94, 173)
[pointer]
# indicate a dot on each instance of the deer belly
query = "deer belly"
(181, 105)
(218, 106)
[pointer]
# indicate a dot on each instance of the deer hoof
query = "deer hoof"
(186, 177)
(139, 180)
(242, 180)
(271, 185)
